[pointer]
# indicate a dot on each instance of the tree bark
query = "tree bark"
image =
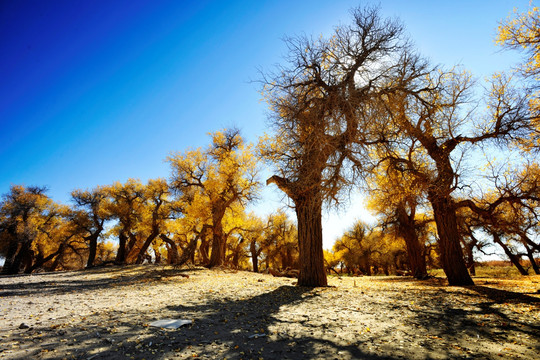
(204, 249)
(254, 256)
(41, 261)
(217, 257)
(310, 242)
(451, 254)
(21, 255)
(530, 255)
(92, 251)
(121, 254)
(415, 250)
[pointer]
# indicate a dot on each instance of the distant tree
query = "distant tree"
(156, 212)
(397, 198)
(321, 102)
(368, 250)
(89, 215)
(223, 175)
(58, 242)
(35, 232)
(280, 242)
(126, 206)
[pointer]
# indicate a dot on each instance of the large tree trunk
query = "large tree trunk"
(40, 261)
(530, 255)
(204, 248)
(92, 250)
(121, 254)
(254, 256)
(415, 250)
(450, 251)
(217, 257)
(310, 242)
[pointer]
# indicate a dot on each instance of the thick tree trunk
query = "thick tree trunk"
(121, 254)
(310, 241)
(415, 250)
(513, 258)
(217, 257)
(254, 256)
(92, 250)
(450, 251)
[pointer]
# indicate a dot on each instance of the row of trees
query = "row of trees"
(197, 216)
(358, 109)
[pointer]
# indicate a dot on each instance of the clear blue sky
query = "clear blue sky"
(93, 92)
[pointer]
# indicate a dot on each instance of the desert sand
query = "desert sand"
(105, 314)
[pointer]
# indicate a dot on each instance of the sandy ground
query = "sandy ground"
(105, 314)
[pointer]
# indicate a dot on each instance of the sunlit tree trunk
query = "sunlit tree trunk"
(310, 241)
(530, 255)
(217, 257)
(172, 250)
(451, 254)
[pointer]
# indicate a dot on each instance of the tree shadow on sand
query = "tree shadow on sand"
(222, 328)
(292, 322)
(58, 283)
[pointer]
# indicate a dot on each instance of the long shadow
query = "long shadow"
(222, 328)
(476, 322)
(504, 296)
(58, 283)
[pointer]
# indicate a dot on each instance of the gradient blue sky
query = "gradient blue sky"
(93, 92)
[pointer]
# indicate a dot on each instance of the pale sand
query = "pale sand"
(104, 314)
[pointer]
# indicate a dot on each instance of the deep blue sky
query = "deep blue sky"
(93, 92)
